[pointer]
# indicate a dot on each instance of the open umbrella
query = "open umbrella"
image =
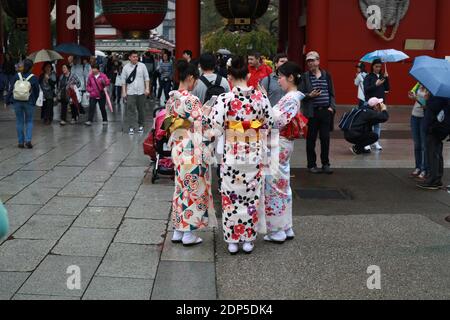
(433, 74)
(73, 49)
(99, 53)
(389, 55)
(224, 52)
(44, 56)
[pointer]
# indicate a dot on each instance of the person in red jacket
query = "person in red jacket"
(257, 69)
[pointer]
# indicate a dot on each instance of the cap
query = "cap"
(373, 102)
(313, 55)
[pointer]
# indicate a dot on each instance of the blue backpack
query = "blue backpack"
(348, 118)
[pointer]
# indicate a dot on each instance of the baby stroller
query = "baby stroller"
(156, 147)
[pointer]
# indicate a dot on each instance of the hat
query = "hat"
(313, 55)
(373, 102)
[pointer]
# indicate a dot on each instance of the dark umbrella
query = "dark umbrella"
(73, 49)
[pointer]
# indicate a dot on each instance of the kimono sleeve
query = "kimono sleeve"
(284, 112)
(268, 114)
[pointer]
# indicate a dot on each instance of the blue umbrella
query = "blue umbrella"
(389, 55)
(73, 49)
(433, 74)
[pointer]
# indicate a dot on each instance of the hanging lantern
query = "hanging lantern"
(135, 18)
(241, 15)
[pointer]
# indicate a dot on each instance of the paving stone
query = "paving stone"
(68, 172)
(51, 182)
(200, 253)
(10, 283)
(130, 261)
(42, 227)
(18, 214)
(146, 209)
(84, 242)
(51, 277)
(102, 218)
(122, 184)
(23, 177)
(155, 194)
(9, 189)
(103, 166)
(198, 279)
(94, 176)
(105, 288)
(64, 206)
(113, 199)
(81, 189)
(34, 195)
(142, 231)
(21, 255)
(31, 297)
(136, 172)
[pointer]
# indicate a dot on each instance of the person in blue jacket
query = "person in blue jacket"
(25, 109)
(4, 225)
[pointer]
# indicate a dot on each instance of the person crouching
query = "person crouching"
(361, 133)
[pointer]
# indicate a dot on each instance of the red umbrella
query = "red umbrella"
(154, 50)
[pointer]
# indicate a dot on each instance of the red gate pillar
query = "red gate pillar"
(39, 34)
(295, 42)
(87, 33)
(442, 28)
(283, 25)
(187, 29)
(317, 29)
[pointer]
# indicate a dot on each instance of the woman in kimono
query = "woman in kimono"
(192, 200)
(278, 193)
(244, 115)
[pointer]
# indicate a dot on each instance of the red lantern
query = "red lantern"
(135, 16)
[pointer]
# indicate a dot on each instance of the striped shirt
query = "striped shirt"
(320, 84)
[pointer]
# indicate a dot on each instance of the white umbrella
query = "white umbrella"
(99, 53)
(44, 56)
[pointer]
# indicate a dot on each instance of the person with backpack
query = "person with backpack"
(437, 126)
(23, 96)
(47, 82)
(135, 89)
(209, 84)
(270, 83)
(278, 192)
(358, 125)
(96, 85)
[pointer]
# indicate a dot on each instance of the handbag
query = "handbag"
(85, 99)
(40, 99)
(132, 75)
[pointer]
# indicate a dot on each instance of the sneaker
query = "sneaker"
(141, 130)
(315, 170)
(377, 146)
(415, 173)
(63, 123)
(367, 148)
(355, 151)
(21, 146)
(88, 123)
(422, 176)
(190, 240)
(105, 123)
(276, 237)
(290, 234)
(430, 186)
(233, 248)
(28, 145)
(177, 237)
(131, 132)
(248, 247)
(327, 169)
(73, 121)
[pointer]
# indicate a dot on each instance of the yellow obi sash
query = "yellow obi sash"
(172, 124)
(242, 126)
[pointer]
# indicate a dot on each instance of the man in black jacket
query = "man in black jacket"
(361, 131)
(437, 124)
(319, 106)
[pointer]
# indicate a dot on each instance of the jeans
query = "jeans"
(24, 120)
(319, 125)
(135, 104)
(435, 159)
(419, 134)
(377, 130)
(165, 85)
(93, 107)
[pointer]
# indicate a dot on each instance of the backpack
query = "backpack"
(212, 89)
(22, 88)
(348, 118)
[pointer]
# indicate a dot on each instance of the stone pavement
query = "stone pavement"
(82, 198)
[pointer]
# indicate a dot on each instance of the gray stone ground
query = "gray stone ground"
(81, 198)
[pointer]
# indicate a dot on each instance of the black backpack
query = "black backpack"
(213, 89)
(348, 118)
